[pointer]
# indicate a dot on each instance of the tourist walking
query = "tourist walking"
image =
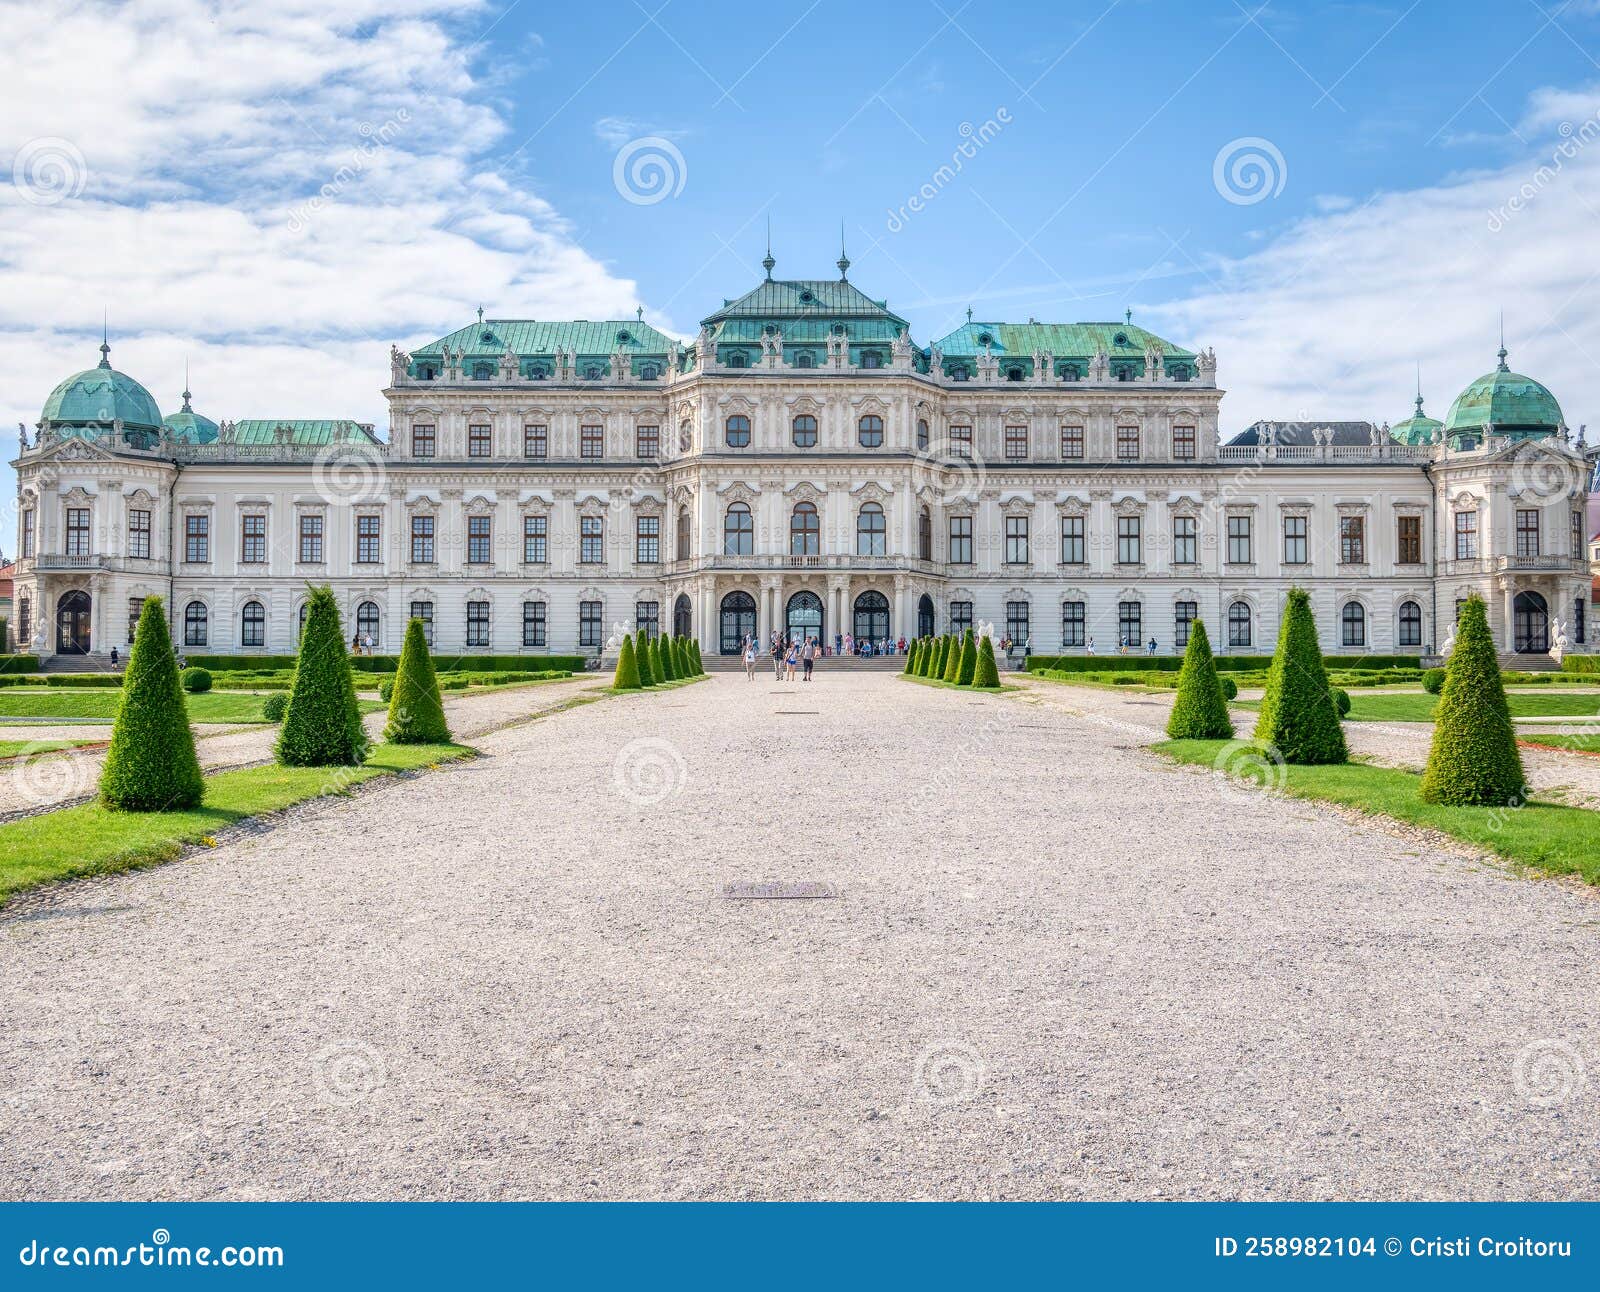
(1152, 645)
(777, 657)
(808, 654)
(750, 658)
(1091, 646)
(790, 659)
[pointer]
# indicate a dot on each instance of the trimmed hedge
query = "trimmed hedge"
(1473, 758)
(1433, 681)
(377, 663)
(1580, 663)
(1225, 663)
(151, 765)
(1298, 715)
(416, 714)
(322, 727)
(19, 663)
(1200, 711)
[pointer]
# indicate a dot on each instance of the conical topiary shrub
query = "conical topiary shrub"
(680, 658)
(416, 713)
(1200, 712)
(658, 666)
(1474, 758)
(646, 666)
(322, 727)
(911, 659)
(151, 765)
(627, 675)
(699, 663)
(940, 659)
(1298, 715)
(952, 661)
(661, 656)
(986, 674)
(969, 660)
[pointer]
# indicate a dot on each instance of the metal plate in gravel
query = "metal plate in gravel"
(778, 889)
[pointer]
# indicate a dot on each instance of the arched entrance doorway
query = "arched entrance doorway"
(925, 616)
(681, 621)
(804, 615)
(1530, 629)
(871, 617)
(738, 621)
(72, 624)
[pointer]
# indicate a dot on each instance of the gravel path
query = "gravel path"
(55, 779)
(1058, 968)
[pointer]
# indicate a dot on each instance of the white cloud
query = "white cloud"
(1331, 317)
(277, 190)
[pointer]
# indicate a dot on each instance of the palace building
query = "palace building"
(802, 464)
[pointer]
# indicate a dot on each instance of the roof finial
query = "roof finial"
(639, 313)
(186, 395)
(767, 262)
(1503, 367)
(1419, 387)
(1127, 316)
(844, 261)
(480, 314)
(105, 340)
(969, 314)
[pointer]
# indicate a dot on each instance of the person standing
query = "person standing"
(808, 655)
(750, 658)
(1091, 645)
(777, 656)
(1152, 645)
(791, 658)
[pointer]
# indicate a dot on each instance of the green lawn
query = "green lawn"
(1560, 840)
(11, 748)
(93, 702)
(1417, 706)
(93, 840)
(1573, 744)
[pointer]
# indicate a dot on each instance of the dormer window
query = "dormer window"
(538, 372)
(623, 337)
(427, 372)
(1013, 374)
(482, 371)
(871, 359)
(1121, 338)
(737, 360)
(984, 338)
(806, 298)
(649, 372)
(958, 373)
(593, 372)
(805, 359)
(1071, 372)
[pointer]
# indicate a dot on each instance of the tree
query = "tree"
(322, 727)
(1298, 715)
(1474, 758)
(986, 675)
(1200, 711)
(911, 659)
(627, 677)
(952, 661)
(661, 660)
(699, 664)
(680, 658)
(416, 713)
(969, 660)
(647, 672)
(151, 765)
(936, 664)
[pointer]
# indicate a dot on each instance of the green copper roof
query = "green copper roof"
(823, 301)
(1419, 428)
(100, 396)
(266, 430)
(488, 338)
(1506, 403)
(1060, 340)
(189, 426)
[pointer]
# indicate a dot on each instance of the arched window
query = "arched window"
(683, 533)
(805, 359)
(805, 530)
(367, 621)
(1354, 621)
(922, 432)
(958, 373)
(194, 624)
(538, 372)
(682, 617)
(1013, 374)
(482, 371)
(252, 624)
(871, 618)
(871, 359)
(805, 431)
(738, 531)
(870, 537)
(870, 431)
(1410, 624)
(426, 372)
(1239, 624)
(649, 372)
(924, 535)
(736, 359)
(737, 431)
(592, 372)
(305, 609)
(685, 437)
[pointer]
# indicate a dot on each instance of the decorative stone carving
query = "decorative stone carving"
(399, 362)
(1100, 366)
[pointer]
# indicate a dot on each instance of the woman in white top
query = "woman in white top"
(750, 658)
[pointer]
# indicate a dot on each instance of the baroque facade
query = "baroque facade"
(802, 464)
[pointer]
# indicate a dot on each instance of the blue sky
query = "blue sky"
(275, 192)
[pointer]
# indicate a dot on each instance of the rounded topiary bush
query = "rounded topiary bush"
(1341, 699)
(196, 681)
(1200, 710)
(322, 726)
(151, 765)
(416, 714)
(1230, 688)
(386, 690)
(275, 706)
(1433, 681)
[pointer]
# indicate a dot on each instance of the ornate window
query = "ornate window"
(738, 531)
(870, 530)
(1183, 443)
(311, 538)
(738, 360)
(1016, 540)
(535, 540)
(1184, 613)
(1130, 544)
(683, 534)
(805, 530)
(253, 624)
(480, 540)
(253, 539)
(960, 540)
(422, 441)
(1410, 624)
(1239, 624)
(736, 431)
(367, 621)
(196, 540)
(922, 432)
(647, 442)
(1127, 443)
(1239, 541)
(804, 431)
(25, 547)
(647, 540)
(477, 623)
(1073, 619)
(24, 621)
(1352, 540)
(591, 441)
(1185, 542)
(1527, 531)
(1466, 535)
(1071, 442)
(1130, 623)
(685, 437)
(369, 539)
(480, 441)
(533, 619)
(960, 616)
(871, 359)
(1072, 540)
(1353, 620)
(422, 610)
(1016, 443)
(535, 441)
(961, 441)
(588, 623)
(1014, 373)
(869, 430)
(1017, 621)
(77, 531)
(194, 624)
(805, 359)
(1294, 540)
(924, 535)
(591, 540)
(647, 615)
(422, 540)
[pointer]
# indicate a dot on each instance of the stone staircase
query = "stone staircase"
(81, 663)
(1540, 663)
(829, 664)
